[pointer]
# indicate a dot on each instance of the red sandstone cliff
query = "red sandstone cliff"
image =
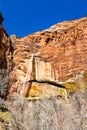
(59, 55)
(53, 56)
(50, 65)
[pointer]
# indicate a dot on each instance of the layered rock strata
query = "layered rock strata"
(57, 54)
(50, 69)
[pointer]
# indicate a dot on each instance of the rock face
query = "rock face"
(4, 44)
(58, 54)
(5, 58)
(43, 76)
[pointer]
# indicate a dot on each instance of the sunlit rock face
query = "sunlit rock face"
(44, 78)
(57, 54)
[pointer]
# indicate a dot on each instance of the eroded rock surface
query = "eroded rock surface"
(44, 78)
(58, 54)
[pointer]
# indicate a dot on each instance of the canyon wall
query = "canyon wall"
(56, 55)
(5, 61)
(43, 78)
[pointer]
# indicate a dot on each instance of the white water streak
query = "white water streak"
(29, 73)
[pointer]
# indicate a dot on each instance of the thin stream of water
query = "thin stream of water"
(29, 73)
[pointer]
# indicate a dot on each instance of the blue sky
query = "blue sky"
(23, 17)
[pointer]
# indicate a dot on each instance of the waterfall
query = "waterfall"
(29, 71)
(28, 75)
